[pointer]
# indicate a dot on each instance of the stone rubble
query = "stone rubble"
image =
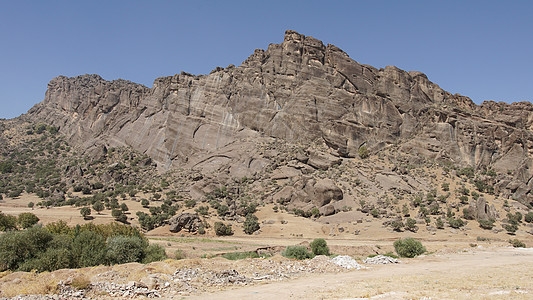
(190, 280)
(380, 260)
(347, 262)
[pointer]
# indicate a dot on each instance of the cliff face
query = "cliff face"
(299, 91)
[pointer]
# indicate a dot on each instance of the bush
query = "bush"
(89, 249)
(439, 223)
(363, 152)
(7, 222)
(397, 225)
(409, 247)
(223, 229)
(154, 252)
(511, 228)
(250, 224)
(85, 212)
(529, 217)
(319, 247)
(18, 246)
(456, 223)
(410, 224)
(297, 252)
(486, 223)
(517, 243)
(240, 255)
(145, 202)
(27, 220)
(179, 254)
(202, 210)
(125, 249)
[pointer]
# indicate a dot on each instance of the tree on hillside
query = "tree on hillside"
(85, 212)
(98, 207)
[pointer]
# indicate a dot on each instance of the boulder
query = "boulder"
(187, 221)
(325, 191)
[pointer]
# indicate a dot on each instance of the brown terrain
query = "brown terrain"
(319, 145)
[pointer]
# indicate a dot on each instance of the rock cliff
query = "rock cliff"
(300, 91)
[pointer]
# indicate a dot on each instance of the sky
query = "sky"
(480, 49)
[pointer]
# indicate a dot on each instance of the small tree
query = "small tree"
(145, 202)
(410, 224)
(439, 223)
(486, 223)
(31, 205)
(409, 247)
(397, 225)
(223, 229)
(7, 222)
(27, 220)
(297, 252)
(98, 207)
(250, 224)
(85, 212)
(319, 247)
(363, 152)
(124, 207)
(529, 217)
(456, 223)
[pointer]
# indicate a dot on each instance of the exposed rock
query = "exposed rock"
(299, 91)
(187, 221)
(482, 210)
(322, 161)
(325, 191)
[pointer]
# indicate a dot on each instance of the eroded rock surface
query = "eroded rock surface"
(299, 91)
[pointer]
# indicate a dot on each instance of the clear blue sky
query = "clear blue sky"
(481, 49)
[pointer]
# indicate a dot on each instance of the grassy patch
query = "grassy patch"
(243, 255)
(193, 240)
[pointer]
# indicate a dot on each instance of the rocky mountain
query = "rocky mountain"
(300, 93)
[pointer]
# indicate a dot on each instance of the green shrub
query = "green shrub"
(439, 223)
(240, 255)
(511, 228)
(363, 152)
(85, 212)
(456, 223)
(319, 247)
(154, 252)
(18, 246)
(486, 223)
(124, 249)
(251, 224)
(297, 252)
(89, 249)
(397, 225)
(27, 220)
(517, 243)
(179, 254)
(223, 229)
(409, 247)
(410, 224)
(7, 222)
(50, 260)
(529, 217)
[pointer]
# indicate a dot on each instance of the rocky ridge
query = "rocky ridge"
(299, 92)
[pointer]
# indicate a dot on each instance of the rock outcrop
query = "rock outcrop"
(187, 221)
(300, 91)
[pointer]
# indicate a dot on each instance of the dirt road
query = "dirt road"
(501, 273)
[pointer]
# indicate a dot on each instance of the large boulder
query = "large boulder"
(187, 221)
(325, 192)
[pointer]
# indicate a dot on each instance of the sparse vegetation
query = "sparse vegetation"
(409, 247)
(223, 229)
(319, 247)
(297, 252)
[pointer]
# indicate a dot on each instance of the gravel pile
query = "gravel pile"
(380, 260)
(346, 262)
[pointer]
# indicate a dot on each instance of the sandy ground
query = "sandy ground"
(501, 273)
